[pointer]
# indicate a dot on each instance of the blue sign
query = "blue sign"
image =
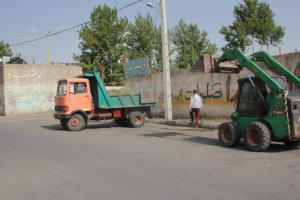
(136, 67)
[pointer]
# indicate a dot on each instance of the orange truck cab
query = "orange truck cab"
(79, 100)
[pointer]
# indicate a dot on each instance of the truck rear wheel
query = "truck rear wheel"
(76, 123)
(228, 134)
(257, 137)
(136, 119)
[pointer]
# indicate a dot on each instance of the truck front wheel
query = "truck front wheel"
(136, 119)
(76, 123)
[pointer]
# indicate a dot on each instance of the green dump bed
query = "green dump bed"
(125, 100)
(104, 101)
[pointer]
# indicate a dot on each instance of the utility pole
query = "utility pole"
(48, 48)
(166, 63)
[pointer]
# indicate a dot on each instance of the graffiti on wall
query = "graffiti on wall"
(24, 89)
(210, 90)
(17, 82)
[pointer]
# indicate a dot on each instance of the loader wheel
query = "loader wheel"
(257, 137)
(136, 119)
(76, 123)
(228, 134)
(63, 124)
(122, 122)
(292, 143)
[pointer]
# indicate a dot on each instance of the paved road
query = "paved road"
(39, 161)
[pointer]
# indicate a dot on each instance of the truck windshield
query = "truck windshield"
(62, 88)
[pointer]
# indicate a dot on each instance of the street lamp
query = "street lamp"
(149, 4)
(166, 62)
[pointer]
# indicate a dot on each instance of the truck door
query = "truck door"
(80, 96)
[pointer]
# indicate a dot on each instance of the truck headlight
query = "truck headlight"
(65, 108)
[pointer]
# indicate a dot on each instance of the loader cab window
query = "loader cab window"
(249, 102)
(62, 88)
(78, 88)
(281, 81)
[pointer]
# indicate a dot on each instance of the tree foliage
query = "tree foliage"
(5, 50)
(108, 37)
(253, 21)
(144, 39)
(236, 37)
(17, 59)
(103, 39)
(268, 33)
(140, 37)
(190, 43)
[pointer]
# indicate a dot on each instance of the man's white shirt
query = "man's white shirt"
(196, 101)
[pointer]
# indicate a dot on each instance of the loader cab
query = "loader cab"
(250, 103)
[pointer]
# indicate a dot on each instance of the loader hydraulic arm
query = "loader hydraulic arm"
(275, 67)
(244, 61)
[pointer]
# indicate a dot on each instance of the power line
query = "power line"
(68, 29)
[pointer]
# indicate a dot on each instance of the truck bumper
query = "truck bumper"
(56, 116)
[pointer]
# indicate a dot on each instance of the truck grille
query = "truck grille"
(59, 108)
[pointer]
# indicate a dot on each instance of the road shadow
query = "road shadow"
(104, 125)
(185, 137)
(274, 147)
(57, 127)
(280, 147)
(54, 127)
(203, 140)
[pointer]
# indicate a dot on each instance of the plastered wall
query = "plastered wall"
(2, 102)
(217, 90)
(291, 61)
(28, 89)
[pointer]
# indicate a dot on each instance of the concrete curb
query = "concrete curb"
(182, 123)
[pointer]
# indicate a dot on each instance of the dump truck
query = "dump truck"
(265, 109)
(82, 99)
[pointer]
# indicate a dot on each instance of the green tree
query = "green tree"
(276, 37)
(247, 19)
(17, 59)
(189, 43)
(236, 37)
(253, 20)
(140, 37)
(5, 50)
(268, 33)
(103, 38)
(143, 39)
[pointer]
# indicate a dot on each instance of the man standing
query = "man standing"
(196, 103)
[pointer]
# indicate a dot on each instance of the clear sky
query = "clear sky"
(30, 19)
